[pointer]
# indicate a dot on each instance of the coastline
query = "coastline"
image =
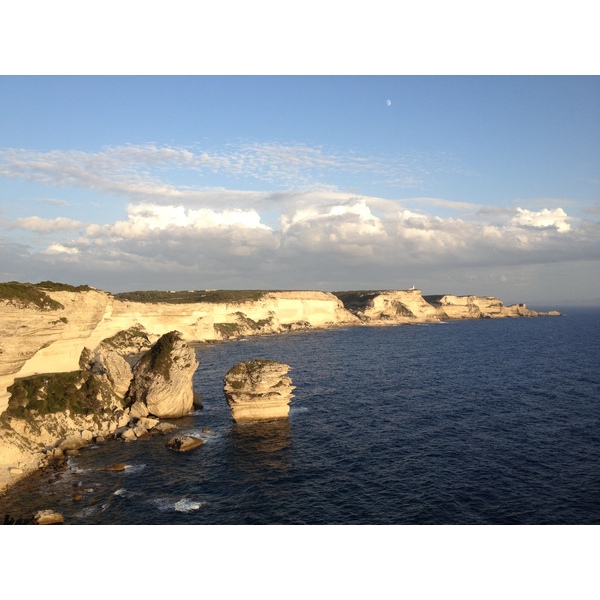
(90, 316)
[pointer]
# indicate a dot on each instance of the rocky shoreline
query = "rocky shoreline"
(67, 384)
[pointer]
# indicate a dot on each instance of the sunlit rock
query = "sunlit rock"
(258, 390)
(162, 379)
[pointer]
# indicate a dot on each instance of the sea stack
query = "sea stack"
(162, 379)
(258, 390)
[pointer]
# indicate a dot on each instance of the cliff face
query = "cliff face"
(34, 340)
(391, 307)
(46, 340)
(477, 307)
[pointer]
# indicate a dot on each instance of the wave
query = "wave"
(182, 505)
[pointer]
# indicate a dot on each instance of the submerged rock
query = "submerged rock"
(258, 390)
(184, 444)
(117, 467)
(162, 379)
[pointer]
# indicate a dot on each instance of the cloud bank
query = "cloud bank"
(299, 232)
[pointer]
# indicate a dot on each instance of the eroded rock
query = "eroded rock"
(258, 390)
(162, 379)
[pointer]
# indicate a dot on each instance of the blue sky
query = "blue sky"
(455, 184)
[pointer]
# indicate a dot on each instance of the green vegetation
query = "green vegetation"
(228, 330)
(191, 297)
(250, 367)
(78, 391)
(27, 295)
(134, 336)
(52, 286)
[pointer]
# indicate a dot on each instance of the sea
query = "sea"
(471, 422)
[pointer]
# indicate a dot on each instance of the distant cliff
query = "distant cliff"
(44, 329)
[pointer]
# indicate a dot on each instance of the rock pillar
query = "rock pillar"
(258, 390)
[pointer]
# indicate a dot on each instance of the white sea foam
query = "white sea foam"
(135, 468)
(183, 505)
(125, 493)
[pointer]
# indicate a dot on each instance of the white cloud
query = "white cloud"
(308, 235)
(546, 218)
(145, 218)
(138, 171)
(60, 249)
(41, 225)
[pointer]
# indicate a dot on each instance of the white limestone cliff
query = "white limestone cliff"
(33, 340)
(477, 307)
(91, 330)
(397, 307)
(45, 341)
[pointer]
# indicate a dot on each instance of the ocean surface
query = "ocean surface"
(463, 422)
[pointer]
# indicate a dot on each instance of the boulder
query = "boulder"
(73, 442)
(138, 410)
(258, 390)
(163, 428)
(47, 517)
(162, 379)
(128, 435)
(147, 423)
(184, 444)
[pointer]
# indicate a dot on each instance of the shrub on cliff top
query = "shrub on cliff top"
(53, 286)
(250, 367)
(134, 336)
(194, 296)
(27, 295)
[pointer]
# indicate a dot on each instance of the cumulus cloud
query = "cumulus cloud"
(145, 218)
(336, 232)
(546, 218)
(299, 233)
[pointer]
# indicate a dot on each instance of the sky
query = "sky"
(484, 185)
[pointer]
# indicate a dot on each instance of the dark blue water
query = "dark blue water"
(470, 422)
